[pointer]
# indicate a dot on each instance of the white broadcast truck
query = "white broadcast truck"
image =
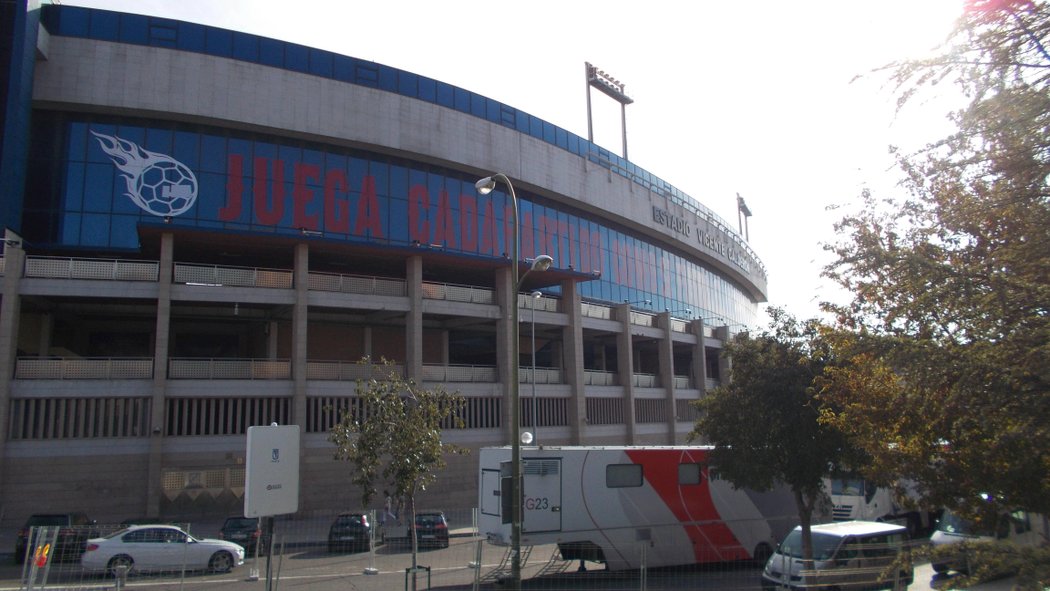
(620, 505)
(855, 499)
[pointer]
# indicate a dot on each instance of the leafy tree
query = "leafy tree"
(395, 438)
(947, 350)
(764, 421)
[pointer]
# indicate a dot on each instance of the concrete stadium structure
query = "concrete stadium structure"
(208, 230)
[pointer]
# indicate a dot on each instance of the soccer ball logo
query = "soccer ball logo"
(157, 183)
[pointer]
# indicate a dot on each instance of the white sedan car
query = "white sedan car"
(159, 548)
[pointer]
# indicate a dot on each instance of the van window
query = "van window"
(623, 475)
(882, 545)
(824, 545)
(953, 524)
(689, 474)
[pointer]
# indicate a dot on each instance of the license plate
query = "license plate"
(428, 537)
(346, 538)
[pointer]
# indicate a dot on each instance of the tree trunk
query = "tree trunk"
(805, 518)
(410, 501)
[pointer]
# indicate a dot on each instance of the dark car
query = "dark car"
(245, 531)
(349, 531)
(74, 531)
(432, 528)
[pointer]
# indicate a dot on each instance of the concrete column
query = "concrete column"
(665, 359)
(367, 336)
(572, 337)
(300, 336)
(444, 348)
(414, 319)
(10, 310)
(506, 296)
(625, 369)
(699, 373)
(47, 322)
(699, 358)
(161, 342)
(271, 339)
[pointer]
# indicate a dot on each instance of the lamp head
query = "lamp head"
(485, 185)
(542, 263)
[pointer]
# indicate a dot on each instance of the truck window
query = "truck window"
(623, 475)
(689, 474)
(847, 486)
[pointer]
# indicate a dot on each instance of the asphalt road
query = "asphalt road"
(450, 569)
(311, 567)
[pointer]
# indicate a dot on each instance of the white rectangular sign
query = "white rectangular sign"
(272, 476)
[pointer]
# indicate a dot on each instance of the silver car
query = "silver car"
(141, 548)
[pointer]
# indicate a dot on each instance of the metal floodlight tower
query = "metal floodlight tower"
(535, 295)
(742, 213)
(614, 89)
(540, 263)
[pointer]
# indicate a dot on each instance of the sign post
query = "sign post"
(271, 477)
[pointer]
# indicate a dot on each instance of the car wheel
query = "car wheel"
(762, 553)
(118, 563)
(221, 562)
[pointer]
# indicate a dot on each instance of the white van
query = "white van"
(847, 555)
(1018, 527)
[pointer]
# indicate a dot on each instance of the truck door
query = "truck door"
(542, 506)
(490, 492)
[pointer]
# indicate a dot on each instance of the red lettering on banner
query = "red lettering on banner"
(269, 211)
(488, 230)
(445, 233)
(619, 263)
(508, 229)
(336, 212)
(468, 217)
(302, 196)
(418, 201)
(666, 266)
(552, 247)
(566, 234)
(234, 188)
(597, 258)
(586, 264)
(635, 280)
(368, 214)
(528, 238)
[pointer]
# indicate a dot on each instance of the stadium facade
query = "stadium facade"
(207, 230)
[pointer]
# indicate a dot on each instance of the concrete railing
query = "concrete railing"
(83, 368)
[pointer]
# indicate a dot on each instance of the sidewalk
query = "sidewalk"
(925, 579)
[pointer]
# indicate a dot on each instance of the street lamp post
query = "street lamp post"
(540, 263)
(535, 425)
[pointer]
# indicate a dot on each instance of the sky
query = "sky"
(758, 99)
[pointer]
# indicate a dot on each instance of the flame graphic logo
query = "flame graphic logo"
(157, 183)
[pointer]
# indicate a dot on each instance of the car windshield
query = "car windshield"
(953, 524)
(241, 522)
(428, 519)
(349, 520)
(824, 545)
